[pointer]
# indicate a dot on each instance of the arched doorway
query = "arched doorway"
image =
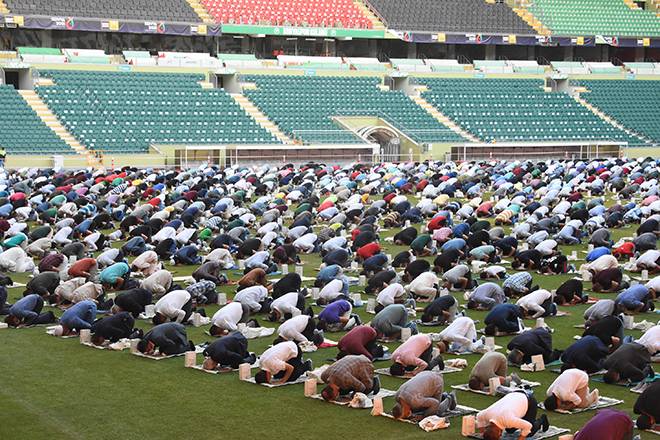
(388, 139)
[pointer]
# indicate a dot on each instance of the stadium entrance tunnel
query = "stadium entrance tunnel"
(387, 138)
(20, 78)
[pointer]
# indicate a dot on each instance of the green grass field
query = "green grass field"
(58, 389)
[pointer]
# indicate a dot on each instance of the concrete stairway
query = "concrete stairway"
(531, 20)
(200, 10)
(444, 120)
(47, 116)
(376, 24)
(261, 118)
(610, 120)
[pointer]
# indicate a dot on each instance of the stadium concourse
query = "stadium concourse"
(244, 301)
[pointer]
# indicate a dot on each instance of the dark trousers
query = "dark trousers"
(187, 307)
(530, 416)
(427, 357)
(298, 365)
(549, 307)
(507, 326)
(43, 318)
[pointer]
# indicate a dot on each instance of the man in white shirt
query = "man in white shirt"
(306, 243)
(424, 287)
(301, 328)
(175, 306)
(287, 306)
(331, 292)
(651, 340)
(158, 283)
(538, 303)
(603, 262)
(547, 248)
(392, 294)
(515, 411)
(226, 320)
(253, 297)
(458, 277)
(570, 390)
(459, 336)
(282, 362)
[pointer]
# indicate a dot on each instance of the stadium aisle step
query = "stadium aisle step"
(200, 10)
(531, 20)
(430, 109)
(261, 118)
(609, 119)
(51, 121)
(376, 22)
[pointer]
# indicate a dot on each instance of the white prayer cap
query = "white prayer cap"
(58, 330)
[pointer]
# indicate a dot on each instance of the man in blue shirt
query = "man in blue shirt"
(27, 311)
(586, 354)
(637, 298)
(77, 317)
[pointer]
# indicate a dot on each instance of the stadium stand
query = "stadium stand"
(140, 58)
(187, 59)
(634, 104)
(125, 112)
(516, 110)
(525, 66)
(450, 16)
(41, 55)
(603, 68)
(301, 62)
(302, 106)
(570, 67)
(239, 61)
(643, 68)
(595, 17)
(492, 66)
(317, 13)
(24, 132)
(157, 10)
(410, 65)
(86, 56)
(369, 64)
(446, 66)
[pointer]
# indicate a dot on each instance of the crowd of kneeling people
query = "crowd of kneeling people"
(470, 221)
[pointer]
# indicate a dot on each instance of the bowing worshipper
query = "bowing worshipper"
(598, 311)
(493, 273)
(203, 292)
(113, 328)
(158, 283)
(282, 363)
(187, 256)
(43, 284)
(115, 276)
(210, 271)
(175, 306)
(587, 354)
(287, 306)
(651, 340)
(229, 351)
(227, 318)
(570, 292)
(26, 312)
(255, 297)
(630, 362)
(607, 424)
(442, 310)
(394, 293)
(503, 318)
(86, 268)
(538, 304)
(459, 336)
(169, 339)
(424, 287)
(635, 299)
(423, 396)
(255, 277)
(608, 329)
(290, 282)
(532, 343)
(491, 365)
(133, 301)
(335, 290)
(486, 296)
(77, 317)
(379, 281)
(415, 355)
(518, 284)
(360, 340)
(299, 329)
(569, 391)
(458, 277)
(337, 317)
(147, 263)
(389, 322)
(350, 374)
(513, 412)
(647, 407)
